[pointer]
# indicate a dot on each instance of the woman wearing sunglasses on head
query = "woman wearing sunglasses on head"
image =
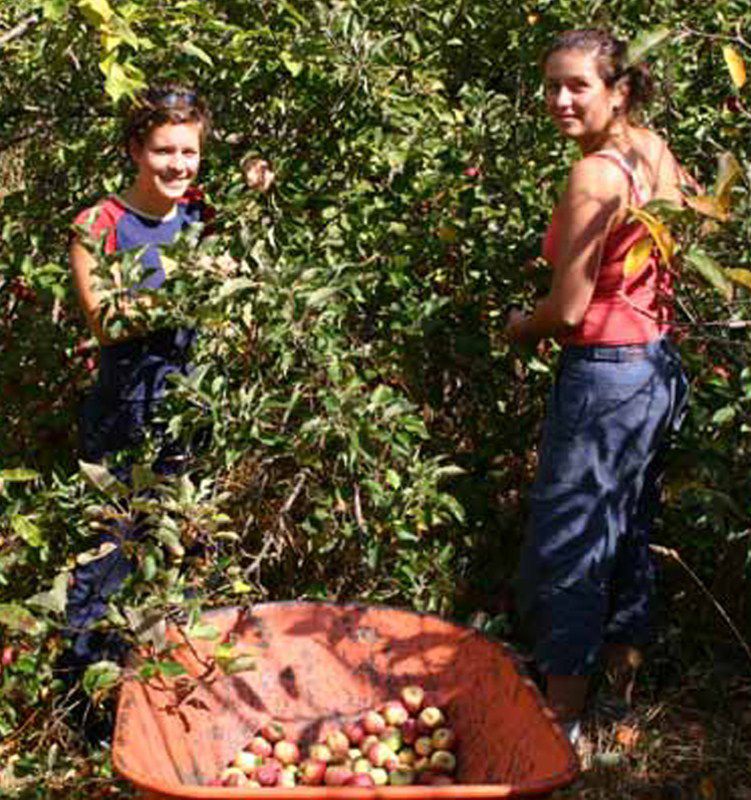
(585, 574)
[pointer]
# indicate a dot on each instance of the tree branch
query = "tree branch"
(19, 30)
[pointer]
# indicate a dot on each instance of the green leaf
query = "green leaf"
(19, 475)
(293, 66)
(97, 12)
(194, 50)
(205, 631)
(240, 663)
(644, 42)
(28, 530)
(17, 618)
(102, 479)
(56, 599)
(53, 10)
(101, 676)
(171, 669)
(710, 270)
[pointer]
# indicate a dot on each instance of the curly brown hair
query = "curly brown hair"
(161, 104)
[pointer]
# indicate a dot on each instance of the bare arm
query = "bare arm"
(83, 263)
(595, 198)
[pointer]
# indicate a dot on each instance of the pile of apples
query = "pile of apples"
(405, 741)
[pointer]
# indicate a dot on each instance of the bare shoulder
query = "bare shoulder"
(597, 178)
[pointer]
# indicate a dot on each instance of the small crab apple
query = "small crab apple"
(431, 717)
(380, 776)
(362, 765)
(424, 746)
(361, 779)
(422, 764)
(233, 776)
(320, 752)
(338, 744)
(394, 713)
(402, 776)
(392, 737)
(381, 755)
(269, 773)
(354, 732)
(354, 753)
(443, 761)
(413, 698)
(406, 757)
(409, 731)
(288, 777)
(273, 731)
(247, 762)
(444, 738)
(260, 746)
(337, 775)
(368, 742)
(311, 772)
(287, 752)
(374, 723)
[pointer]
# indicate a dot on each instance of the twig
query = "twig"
(19, 30)
(674, 555)
(290, 501)
(358, 509)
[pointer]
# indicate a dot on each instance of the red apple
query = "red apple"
(273, 730)
(395, 713)
(361, 779)
(260, 746)
(380, 776)
(287, 752)
(443, 761)
(354, 732)
(338, 743)
(374, 723)
(444, 738)
(269, 773)
(320, 752)
(472, 172)
(381, 755)
(337, 775)
(392, 737)
(233, 776)
(311, 772)
(402, 776)
(409, 731)
(247, 762)
(424, 746)
(368, 742)
(430, 718)
(413, 697)
(362, 765)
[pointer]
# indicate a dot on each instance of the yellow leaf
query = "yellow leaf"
(97, 12)
(728, 174)
(740, 276)
(735, 64)
(658, 231)
(637, 256)
(110, 41)
(709, 206)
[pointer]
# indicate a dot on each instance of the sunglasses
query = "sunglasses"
(174, 98)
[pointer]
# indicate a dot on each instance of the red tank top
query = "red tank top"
(623, 310)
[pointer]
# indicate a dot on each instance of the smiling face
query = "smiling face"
(167, 163)
(580, 103)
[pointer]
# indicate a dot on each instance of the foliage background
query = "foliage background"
(371, 434)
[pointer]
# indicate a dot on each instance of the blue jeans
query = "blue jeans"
(585, 574)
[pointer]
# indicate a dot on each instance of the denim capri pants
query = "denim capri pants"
(585, 575)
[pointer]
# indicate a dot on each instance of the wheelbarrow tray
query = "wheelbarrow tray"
(319, 664)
